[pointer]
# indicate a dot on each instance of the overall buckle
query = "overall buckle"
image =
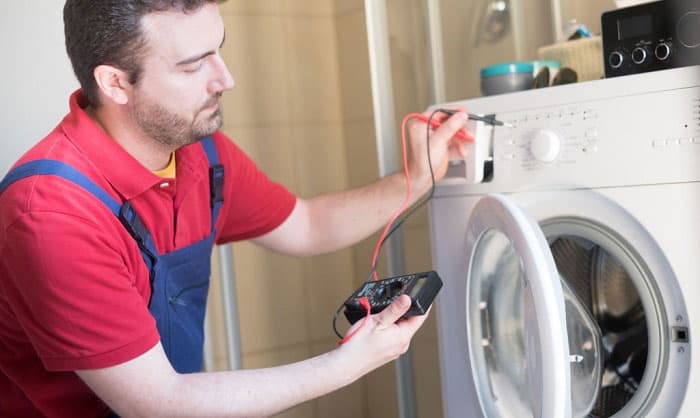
(216, 184)
(132, 222)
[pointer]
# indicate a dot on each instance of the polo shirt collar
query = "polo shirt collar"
(129, 177)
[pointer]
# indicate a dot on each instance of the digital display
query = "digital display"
(633, 27)
(416, 288)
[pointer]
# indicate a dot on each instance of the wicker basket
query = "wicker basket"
(585, 56)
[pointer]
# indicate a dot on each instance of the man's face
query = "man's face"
(176, 100)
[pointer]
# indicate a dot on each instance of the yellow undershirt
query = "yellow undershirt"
(169, 171)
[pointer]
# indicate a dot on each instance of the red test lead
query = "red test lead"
(462, 133)
(435, 123)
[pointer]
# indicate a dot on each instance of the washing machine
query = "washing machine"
(569, 248)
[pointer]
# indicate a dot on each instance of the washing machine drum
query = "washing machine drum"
(606, 291)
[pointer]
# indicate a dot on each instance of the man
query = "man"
(106, 228)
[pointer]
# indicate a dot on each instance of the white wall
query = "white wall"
(35, 75)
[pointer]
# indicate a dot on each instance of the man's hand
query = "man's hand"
(384, 337)
(443, 146)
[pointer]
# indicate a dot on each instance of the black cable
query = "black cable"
(335, 318)
(398, 222)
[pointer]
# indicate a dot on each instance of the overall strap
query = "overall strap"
(125, 212)
(216, 180)
(61, 169)
(128, 217)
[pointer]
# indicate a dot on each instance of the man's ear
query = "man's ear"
(113, 83)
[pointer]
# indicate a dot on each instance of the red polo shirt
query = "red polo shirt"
(74, 289)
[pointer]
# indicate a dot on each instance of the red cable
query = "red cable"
(435, 123)
(407, 199)
(364, 301)
(406, 203)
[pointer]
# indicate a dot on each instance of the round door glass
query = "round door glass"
(498, 308)
(504, 335)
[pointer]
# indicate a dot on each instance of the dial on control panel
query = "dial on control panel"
(616, 59)
(662, 51)
(545, 146)
(639, 55)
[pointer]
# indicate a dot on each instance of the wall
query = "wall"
(36, 75)
(587, 12)
(285, 113)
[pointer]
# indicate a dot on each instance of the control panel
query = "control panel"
(625, 139)
(651, 36)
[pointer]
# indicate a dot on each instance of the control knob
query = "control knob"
(639, 54)
(545, 146)
(615, 59)
(662, 51)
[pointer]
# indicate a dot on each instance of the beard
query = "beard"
(172, 129)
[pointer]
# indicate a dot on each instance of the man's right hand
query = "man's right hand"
(384, 337)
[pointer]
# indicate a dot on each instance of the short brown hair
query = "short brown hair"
(109, 32)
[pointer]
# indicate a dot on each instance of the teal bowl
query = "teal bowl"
(506, 78)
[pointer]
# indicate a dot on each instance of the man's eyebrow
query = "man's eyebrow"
(199, 57)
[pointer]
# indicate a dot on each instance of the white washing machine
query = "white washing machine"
(571, 255)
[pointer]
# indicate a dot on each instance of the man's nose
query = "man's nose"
(223, 80)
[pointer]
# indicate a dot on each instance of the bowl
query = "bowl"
(506, 78)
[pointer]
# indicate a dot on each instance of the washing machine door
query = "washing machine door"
(516, 316)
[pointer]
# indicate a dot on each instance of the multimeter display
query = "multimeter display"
(415, 290)
(421, 287)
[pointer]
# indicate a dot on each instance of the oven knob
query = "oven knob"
(545, 146)
(639, 54)
(615, 59)
(688, 29)
(662, 51)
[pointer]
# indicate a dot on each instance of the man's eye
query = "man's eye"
(194, 67)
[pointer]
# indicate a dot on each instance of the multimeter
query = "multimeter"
(421, 287)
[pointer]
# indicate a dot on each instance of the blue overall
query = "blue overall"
(179, 279)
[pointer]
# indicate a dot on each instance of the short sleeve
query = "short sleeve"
(69, 284)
